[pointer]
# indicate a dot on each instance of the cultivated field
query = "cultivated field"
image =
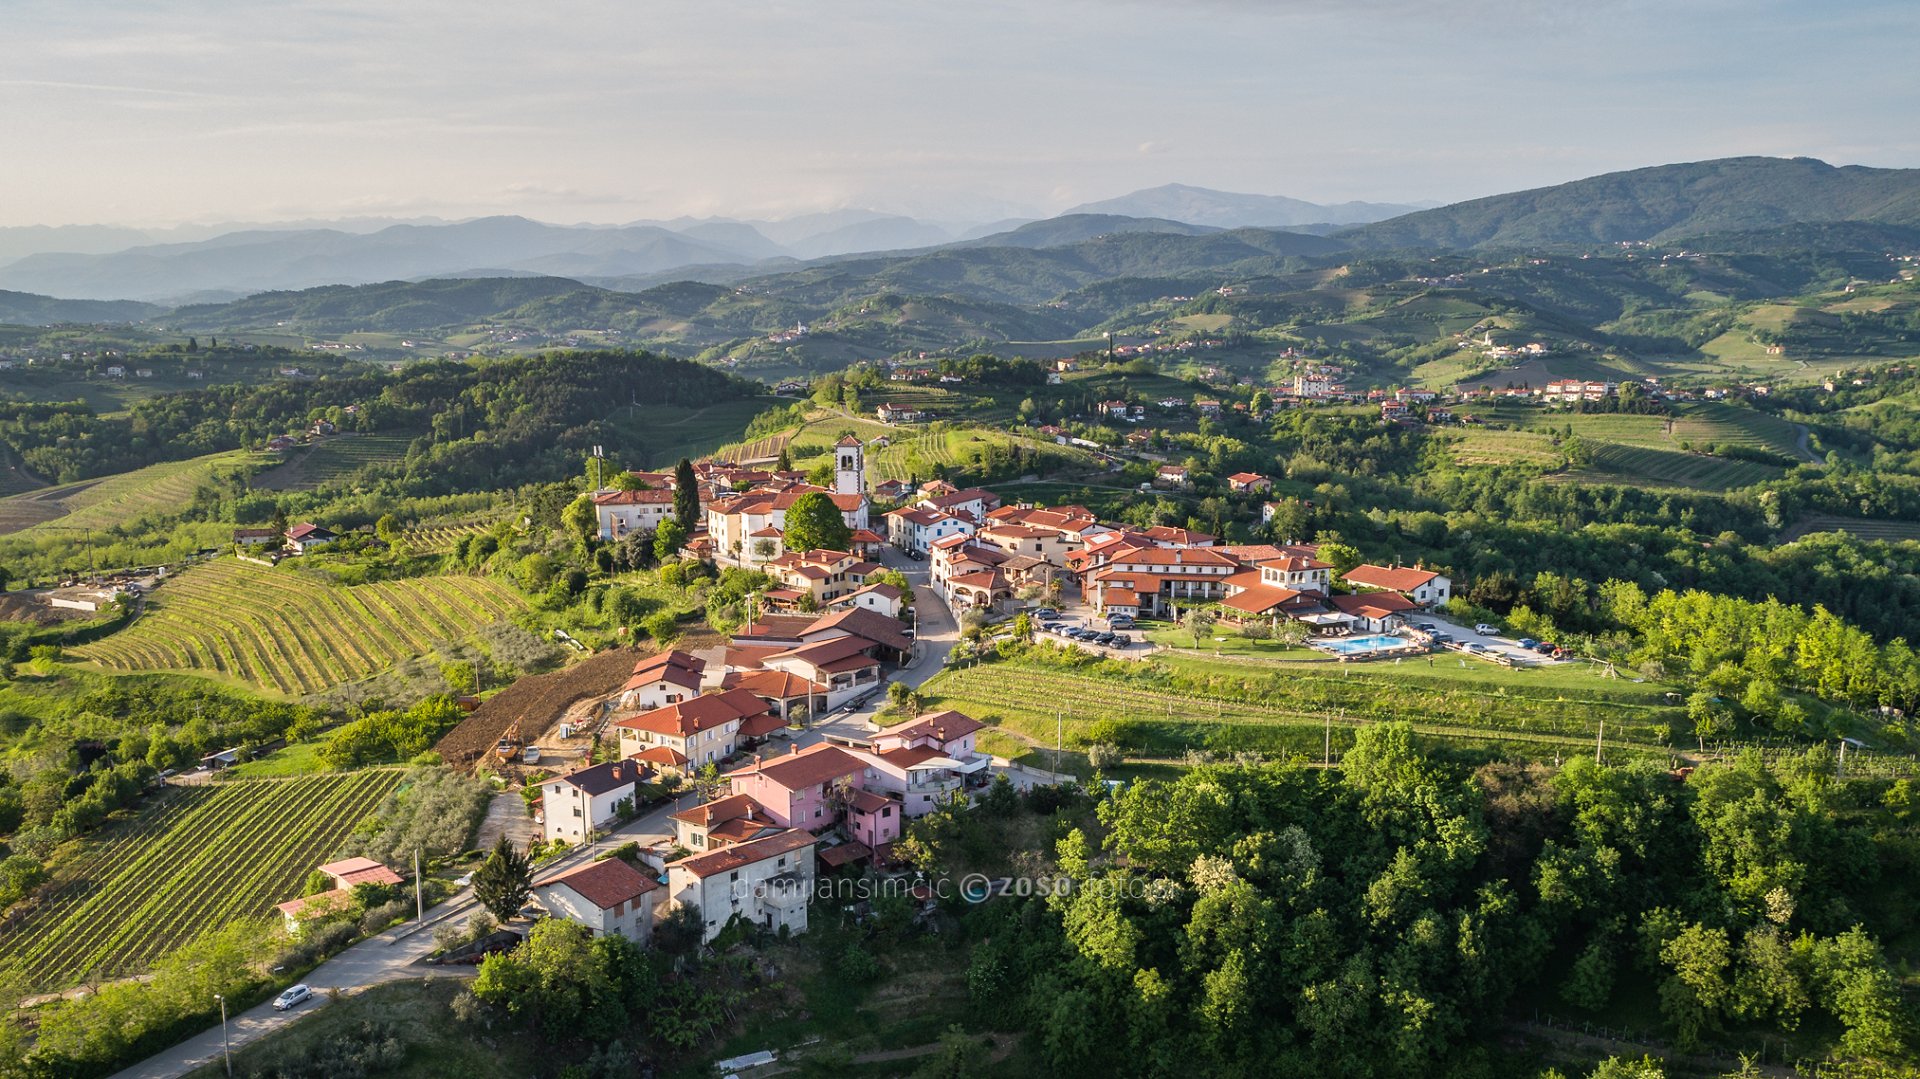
(1714, 422)
(1486, 446)
(282, 630)
(1292, 706)
(121, 499)
(198, 858)
(536, 701)
(915, 454)
(330, 460)
(1884, 531)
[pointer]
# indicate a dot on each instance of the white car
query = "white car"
(292, 998)
(1485, 630)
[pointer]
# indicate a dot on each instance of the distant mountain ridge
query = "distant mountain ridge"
(26, 309)
(1659, 204)
(1229, 210)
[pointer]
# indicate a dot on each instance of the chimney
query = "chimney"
(793, 749)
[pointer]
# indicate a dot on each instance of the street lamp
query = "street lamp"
(226, 1047)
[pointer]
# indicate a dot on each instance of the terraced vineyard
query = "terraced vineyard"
(440, 538)
(1674, 468)
(1289, 708)
(198, 858)
(117, 500)
(332, 459)
(284, 631)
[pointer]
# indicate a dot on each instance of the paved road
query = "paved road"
(385, 958)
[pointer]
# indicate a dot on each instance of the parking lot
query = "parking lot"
(1130, 643)
(1495, 646)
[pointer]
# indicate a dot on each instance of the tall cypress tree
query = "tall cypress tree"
(686, 495)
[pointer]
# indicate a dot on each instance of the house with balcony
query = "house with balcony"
(766, 882)
(803, 788)
(847, 666)
(918, 529)
(693, 733)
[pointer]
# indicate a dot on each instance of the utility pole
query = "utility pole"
(419, 896)
(1059, 725)
(1326, 751)
(1599, 741)
(226, 1047)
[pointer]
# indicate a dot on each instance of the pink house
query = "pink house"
(801, 789)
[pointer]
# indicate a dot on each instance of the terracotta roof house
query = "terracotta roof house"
(609, 897)
(662, 679)
(723, 822)
(766, 882)
(1249, 482)
(308, 536)
(1424, 587)
(798, 788)
(702, 729)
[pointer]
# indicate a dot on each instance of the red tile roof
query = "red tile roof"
(861, 622)
(1398, 580)
(744, 854)
(649, 497)
(699, 714)
(775, 685)
(352, 871)
(946, 726)
(606, 883)
(711, 813)
(807, 768)
(663, 755)
(1261, 599)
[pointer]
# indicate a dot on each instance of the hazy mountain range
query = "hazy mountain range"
(1736, 203)
(105, 262)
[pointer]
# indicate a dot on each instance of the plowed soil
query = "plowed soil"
(536, 701)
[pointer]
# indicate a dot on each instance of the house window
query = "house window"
(733, 876)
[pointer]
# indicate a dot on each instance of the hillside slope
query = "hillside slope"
(1665, 202)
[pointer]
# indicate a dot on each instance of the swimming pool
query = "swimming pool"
(1353, 646)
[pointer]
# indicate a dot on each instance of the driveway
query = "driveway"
(1493, 643)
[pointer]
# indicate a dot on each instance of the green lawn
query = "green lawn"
(299, 759)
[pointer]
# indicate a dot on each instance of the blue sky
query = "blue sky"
(616, 110)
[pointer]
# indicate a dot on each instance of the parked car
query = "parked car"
(1120, 621)
(1045, 612)
(915, 555)
(292, 998)
(1441, 637)
(1528, 642)
(1485, 630)
(1546, 648)
(1426, 626)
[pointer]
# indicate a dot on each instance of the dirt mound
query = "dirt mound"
(536, 701)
